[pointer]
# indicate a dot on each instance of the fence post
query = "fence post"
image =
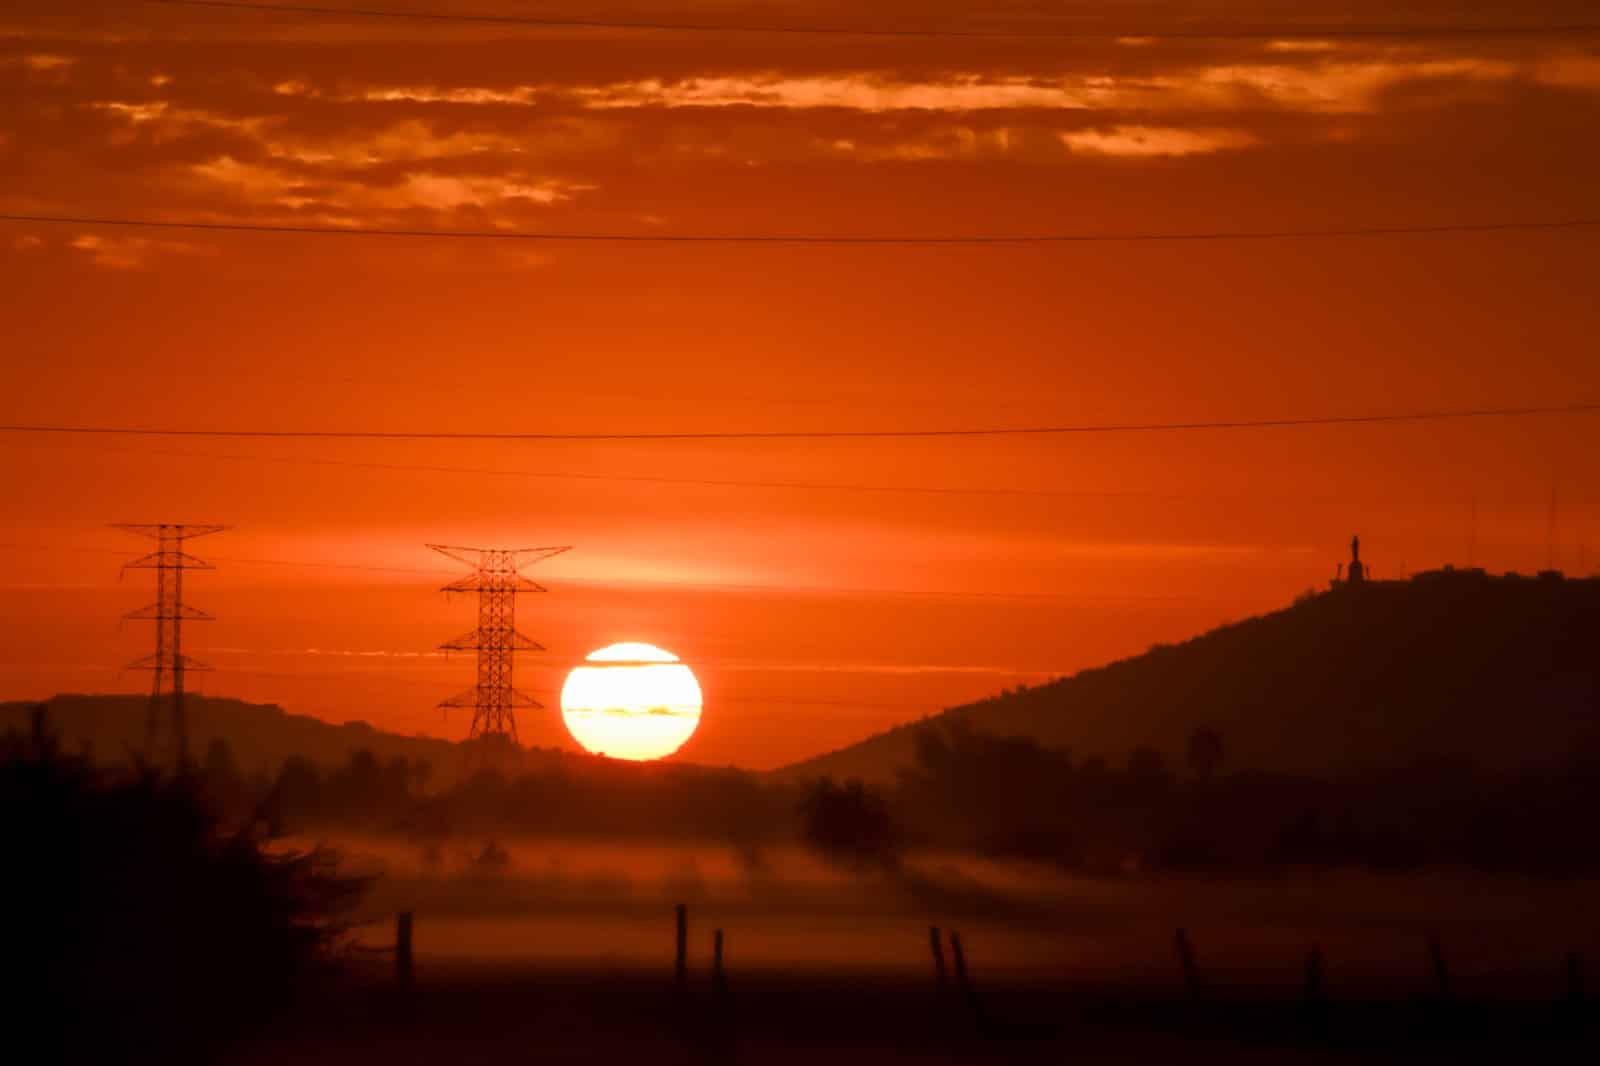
(1315, 992)
(1315, 981)
(964, 982)
(717, 977)
(1191, 972)
(681, 969)
(960, 959)
(403, 972)
(1441, 971)
(937, 947)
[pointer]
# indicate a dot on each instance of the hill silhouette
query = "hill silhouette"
(260, 738)
(260, 735)
(1497, 672)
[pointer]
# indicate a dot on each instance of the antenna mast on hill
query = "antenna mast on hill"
(169, 612)
(496, 578)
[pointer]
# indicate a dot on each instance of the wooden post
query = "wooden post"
(403, 972)
(1191, 972)
(1315, 981)
(1315, 1005)
(681, 970)
(936, 946)
(964, 982)
(717, 977)
(1441, 971)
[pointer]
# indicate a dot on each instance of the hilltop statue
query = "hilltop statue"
(1353, 573)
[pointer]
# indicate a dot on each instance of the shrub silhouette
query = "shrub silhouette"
(160, 934)
(849, 825)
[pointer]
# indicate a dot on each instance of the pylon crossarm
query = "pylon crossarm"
(479, 582)
(167, 662)
(465, 642)
(166, 560)
(167, 531)
(529, 556)
(473, 557)
(522, 642)
(518, 557)
(472, 698)
(168, 613)
(487, 640)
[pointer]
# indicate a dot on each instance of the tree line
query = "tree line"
(971, 791)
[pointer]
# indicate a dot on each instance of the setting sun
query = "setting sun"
(638, 702)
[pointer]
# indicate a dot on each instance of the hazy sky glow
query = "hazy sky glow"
(815, 615)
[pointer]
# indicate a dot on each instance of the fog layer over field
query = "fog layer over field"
(562, 904)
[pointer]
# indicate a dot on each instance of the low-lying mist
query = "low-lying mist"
(609, 906)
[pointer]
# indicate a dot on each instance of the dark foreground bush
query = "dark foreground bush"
(145, 931)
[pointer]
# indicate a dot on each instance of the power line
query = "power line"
(881, 240)
(296, 563)
(1199, 33)
(814, 434)
(710, 586)
(958, 491)
(645, 479)
(356, 676)
(360, 676)
(922, 593)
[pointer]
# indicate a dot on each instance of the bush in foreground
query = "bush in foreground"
(148, 932)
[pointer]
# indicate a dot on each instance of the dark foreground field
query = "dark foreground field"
(559, 958)
(466, 1016)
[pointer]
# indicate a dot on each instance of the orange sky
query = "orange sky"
(812, 615)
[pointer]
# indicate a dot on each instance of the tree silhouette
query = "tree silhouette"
(848, 824)
(1146, 765)
(1205, 752)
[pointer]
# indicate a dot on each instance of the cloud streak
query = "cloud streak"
(276, 128)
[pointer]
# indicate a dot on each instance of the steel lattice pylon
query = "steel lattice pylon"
(496, 578)
(169, 561)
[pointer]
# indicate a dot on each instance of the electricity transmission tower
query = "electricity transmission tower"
(496, 578)
(169, 612)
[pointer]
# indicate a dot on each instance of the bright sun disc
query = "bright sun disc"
(636, 702)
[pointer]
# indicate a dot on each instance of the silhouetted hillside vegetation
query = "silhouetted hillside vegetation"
(578, 796)
(306, 775)
(970, 792)
(262, 735)
(1500, 673)
(1012, 797)
(143, 927)
(259, 737)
